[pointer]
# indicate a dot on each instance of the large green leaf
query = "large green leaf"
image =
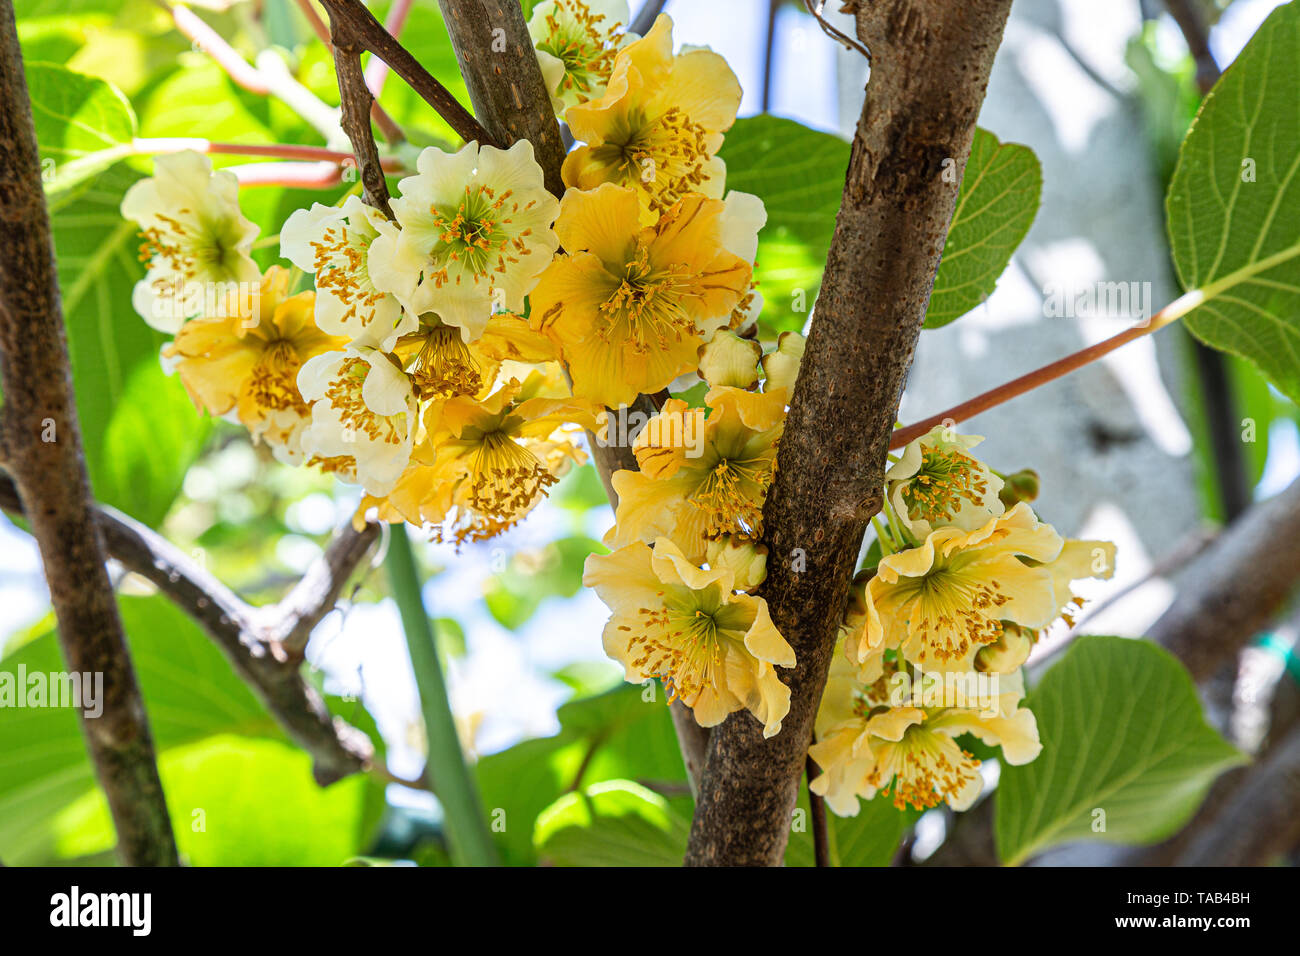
(1125, 747)
(237, 801)
(1234, 206)
(615, 735)
(995, 208)
(799, 174)
(613, 823)
(83, 125)
(190, 692)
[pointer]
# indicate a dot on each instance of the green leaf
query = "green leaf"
(48, 796)
(615, 735)
(190, 693)
(237, 801)
(1122, 733)
(996, 205)
(799, 174)
(614, 823)
(83, 125)
(1233, 206)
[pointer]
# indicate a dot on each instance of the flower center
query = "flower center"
(925, 768)
(344, 394)
(340, 265)
(731, 496)
(647, 305)
(476, 237)
(957, 612)
(576, 38)
(443, 364)
(274, 380)
(664, 156)
(678, 643)
(944, 481)
(505, 477)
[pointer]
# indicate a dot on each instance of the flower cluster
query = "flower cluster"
(932, 645)
(448, 360)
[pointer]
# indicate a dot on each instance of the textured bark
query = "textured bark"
(505, 83)
(930, 67)
(53, 484)
(1236, 587)
(356, 103)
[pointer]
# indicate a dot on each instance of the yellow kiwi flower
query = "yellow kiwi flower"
(631, 306)
(715, 650)
(659, 124)
(246, 360)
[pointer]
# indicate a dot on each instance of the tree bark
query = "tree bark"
(1236, 587)
(930, 66)
(505, 83)
(42, 440)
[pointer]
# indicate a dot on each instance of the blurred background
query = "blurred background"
(1152, 448)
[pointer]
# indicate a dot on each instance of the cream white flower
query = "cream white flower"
(576, 41)
(196, 240)
(475, 235)
(937, 484)
(867, 744)
(363, 409)
(333, 243)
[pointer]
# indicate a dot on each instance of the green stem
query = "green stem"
(471, 844)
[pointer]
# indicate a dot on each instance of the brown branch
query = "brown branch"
(930, 70)
(263, 645)
(370, 33)
(388, 127)
(1236, 587)
(817, 809)
(356, 101)
(505, 83)
(52, 483)
(1187, 14)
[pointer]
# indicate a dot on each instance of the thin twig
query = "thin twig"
(815, 8)
(388, 127)
(357, 99)
(1053, 370)
(1187, 15)
(377, 69)
(817, 808)
(371, 34)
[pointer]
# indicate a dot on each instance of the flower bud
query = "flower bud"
(1006, 653)
(746, 559)
(730, 360)
(1021, 486)
(781, 366)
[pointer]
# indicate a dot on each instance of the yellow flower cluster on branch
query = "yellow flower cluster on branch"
(936, 632)
(449, 360)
